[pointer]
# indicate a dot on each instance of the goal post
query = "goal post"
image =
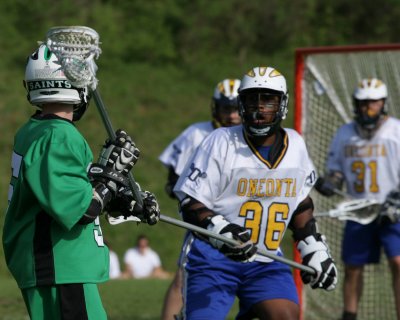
(325, 78)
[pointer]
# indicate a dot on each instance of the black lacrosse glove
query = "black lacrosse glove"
(151, 210)
(124, 204)
(111, 179)
(120, 154)
(244, 251)
(331, 182)
(325, 187)
(390, 211)
(315, 254)
(115, 161)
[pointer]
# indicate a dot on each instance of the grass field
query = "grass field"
(122, 299)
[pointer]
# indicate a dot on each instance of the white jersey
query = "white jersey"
(142, 265)
(179, 151)
(229, 176)
(371, 167)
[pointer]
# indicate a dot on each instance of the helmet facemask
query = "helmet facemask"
(223, 113)
(365, 116)
(224, 105)
(367, 97)
(262, 111)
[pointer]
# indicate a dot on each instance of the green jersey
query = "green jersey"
(49, 193)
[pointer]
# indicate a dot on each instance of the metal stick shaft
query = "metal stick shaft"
(333, 213)
(342, 193)
(232, 242)
(111, 133)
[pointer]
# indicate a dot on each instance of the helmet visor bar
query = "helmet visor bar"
(227, 108)
(261, 102)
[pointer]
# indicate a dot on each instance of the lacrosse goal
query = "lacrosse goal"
(324, 82)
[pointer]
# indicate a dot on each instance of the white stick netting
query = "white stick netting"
(328, 82)
(76, 48)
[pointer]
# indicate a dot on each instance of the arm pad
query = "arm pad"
(171, 181)
(195, 212)
(310, 229)
(101, 197)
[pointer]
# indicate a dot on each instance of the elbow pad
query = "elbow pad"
(191, 210)
(171, 181)
(310, 229)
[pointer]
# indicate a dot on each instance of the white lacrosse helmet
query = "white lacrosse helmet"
(263, 80)
(225, 97)
(226, 90)
(45, 83)
(369, 89)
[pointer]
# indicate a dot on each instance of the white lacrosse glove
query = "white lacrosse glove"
(245, 250)
(315, 254)
(391, 206)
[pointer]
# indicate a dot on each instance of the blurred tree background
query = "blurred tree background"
(161, 60)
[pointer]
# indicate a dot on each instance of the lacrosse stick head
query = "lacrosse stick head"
(76, 48)
(363, 211)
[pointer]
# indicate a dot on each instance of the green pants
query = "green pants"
(77, 301)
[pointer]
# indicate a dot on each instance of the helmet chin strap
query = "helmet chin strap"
(79, 111)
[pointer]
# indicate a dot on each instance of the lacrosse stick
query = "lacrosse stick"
(341, 193)
(214, 235)
(363, 211)
(76, 48)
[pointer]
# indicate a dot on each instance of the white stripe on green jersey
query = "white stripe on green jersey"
(229, 177)
(371, 167)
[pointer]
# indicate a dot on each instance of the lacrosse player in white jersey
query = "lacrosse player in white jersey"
(365, 155)
(224, 107)
(250, 183)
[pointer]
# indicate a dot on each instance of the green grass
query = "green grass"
(122, 299)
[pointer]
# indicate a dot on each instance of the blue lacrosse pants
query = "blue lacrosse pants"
(362, 243)
(213, 281)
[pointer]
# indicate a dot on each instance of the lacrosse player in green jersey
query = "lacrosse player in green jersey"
(52, 239)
